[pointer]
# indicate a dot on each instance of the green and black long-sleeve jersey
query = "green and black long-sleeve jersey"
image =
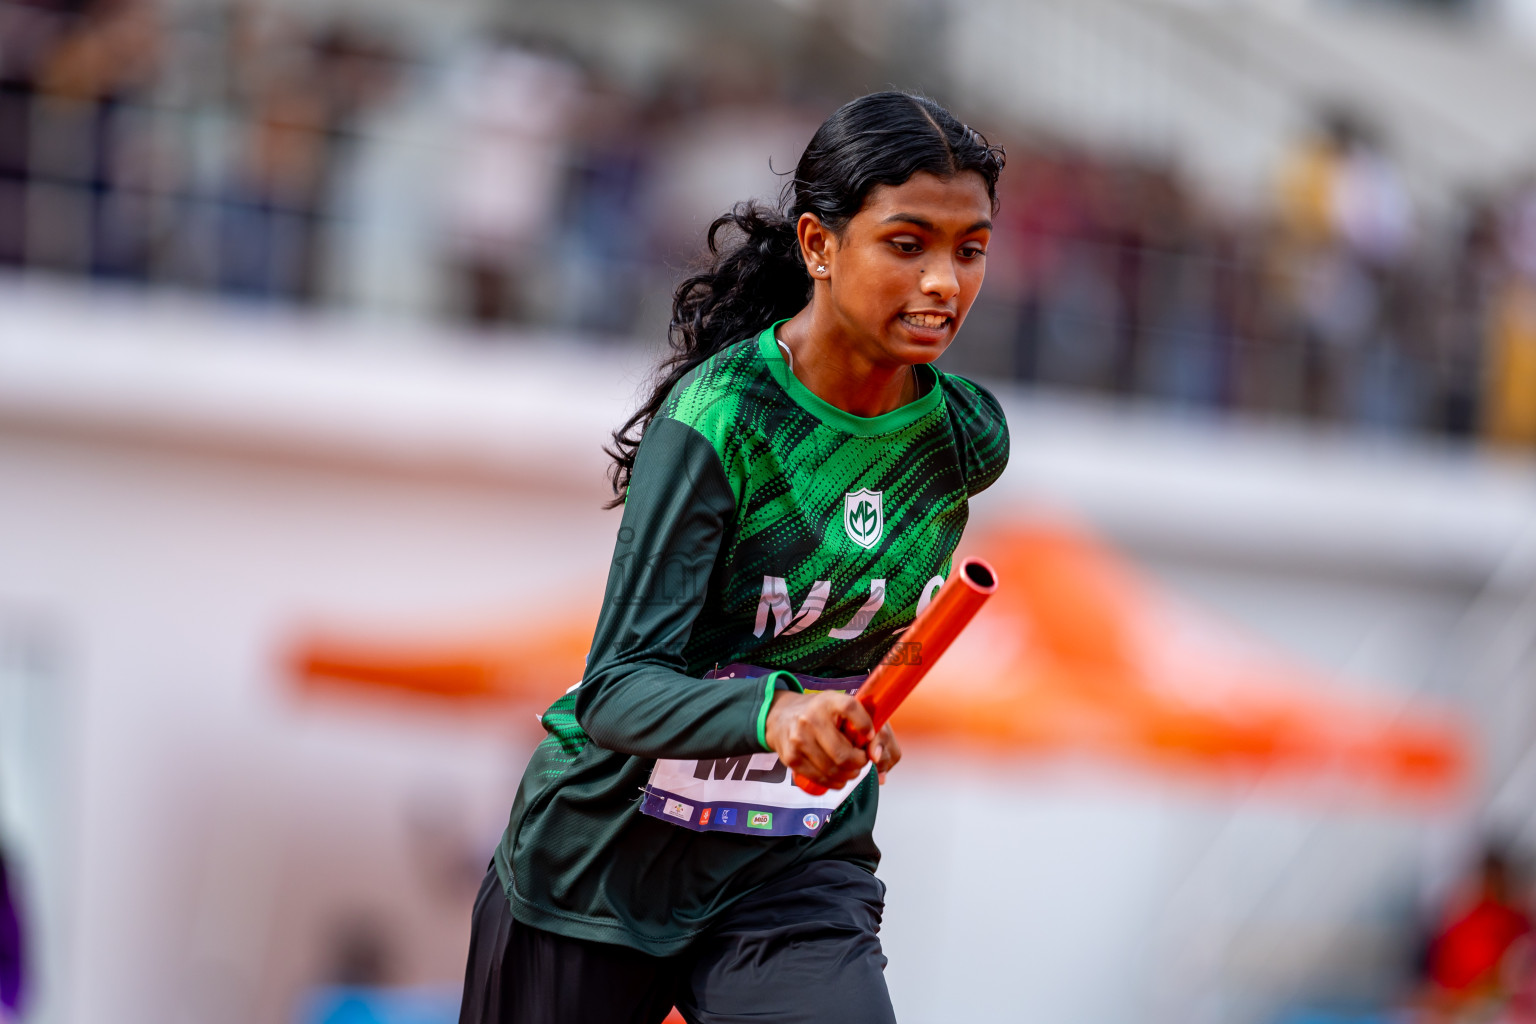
(764, 526)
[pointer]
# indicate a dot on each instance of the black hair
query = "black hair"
(759, 278)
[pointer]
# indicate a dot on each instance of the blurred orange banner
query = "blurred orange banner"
(1075, 654)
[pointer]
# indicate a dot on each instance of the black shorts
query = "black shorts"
(802, 950)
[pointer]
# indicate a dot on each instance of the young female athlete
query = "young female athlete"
(793, 492)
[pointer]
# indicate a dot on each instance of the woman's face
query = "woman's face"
(904, 270)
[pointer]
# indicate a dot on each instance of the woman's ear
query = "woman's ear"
(817, 245)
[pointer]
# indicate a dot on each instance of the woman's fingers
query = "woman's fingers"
(811, 735)
(791, 733)
(856, 723)
(839, 732)
(832, 760)
(806, 753)
(885, 751)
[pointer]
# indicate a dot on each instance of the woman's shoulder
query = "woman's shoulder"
(714, 395)
(971, 403)
(981, 428)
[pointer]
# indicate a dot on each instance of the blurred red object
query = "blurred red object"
(1469, 953)
(1468, 957)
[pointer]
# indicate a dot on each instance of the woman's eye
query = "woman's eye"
(970, 252)
(909, 248)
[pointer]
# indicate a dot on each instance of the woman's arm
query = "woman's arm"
(635, 696)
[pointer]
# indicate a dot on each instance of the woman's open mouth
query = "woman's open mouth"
(926, 321)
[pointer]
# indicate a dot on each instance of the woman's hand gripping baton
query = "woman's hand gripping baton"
(929, 636)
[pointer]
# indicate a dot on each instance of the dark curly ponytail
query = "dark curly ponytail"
(759, 277)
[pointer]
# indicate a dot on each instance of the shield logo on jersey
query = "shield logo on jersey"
(863, 517)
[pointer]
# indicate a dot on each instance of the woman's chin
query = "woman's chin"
(931, 341)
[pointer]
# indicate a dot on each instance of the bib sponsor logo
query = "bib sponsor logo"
(679, 810)
(704, 816)
(760, 819)
(812, 821)
(727, 815)
(864, 517)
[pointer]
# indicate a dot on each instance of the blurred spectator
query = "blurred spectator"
(225, 148)
(1477, 957)
(514, 108)
(301, 94)
(91, 132)
(605, 246)
(28, 35)
(1511, 400)
(1346, 237)
(11, 961)
(1370, 205)
(270, 202)
(1308, 182)
(1065, 332)
(1511, 383)
(1459, 323)
(715, 146)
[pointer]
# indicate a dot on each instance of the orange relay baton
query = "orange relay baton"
(929, 636)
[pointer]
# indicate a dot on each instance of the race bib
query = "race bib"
(751, 794)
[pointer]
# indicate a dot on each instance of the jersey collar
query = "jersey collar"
(841, 419)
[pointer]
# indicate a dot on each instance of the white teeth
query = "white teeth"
(925, 319)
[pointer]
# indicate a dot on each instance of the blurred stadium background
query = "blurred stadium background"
(314, 316)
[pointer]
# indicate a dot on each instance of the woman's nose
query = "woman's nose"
(940, 281)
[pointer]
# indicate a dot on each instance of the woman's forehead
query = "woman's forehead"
(955, 202)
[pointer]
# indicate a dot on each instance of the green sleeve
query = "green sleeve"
(636, 696)
(981, 429)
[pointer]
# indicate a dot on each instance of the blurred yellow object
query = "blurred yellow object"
(1512, 383)
(1306, 193)
(1075, 655)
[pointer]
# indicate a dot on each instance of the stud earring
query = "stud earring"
(821, 270)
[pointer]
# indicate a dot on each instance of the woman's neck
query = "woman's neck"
(833, 368)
